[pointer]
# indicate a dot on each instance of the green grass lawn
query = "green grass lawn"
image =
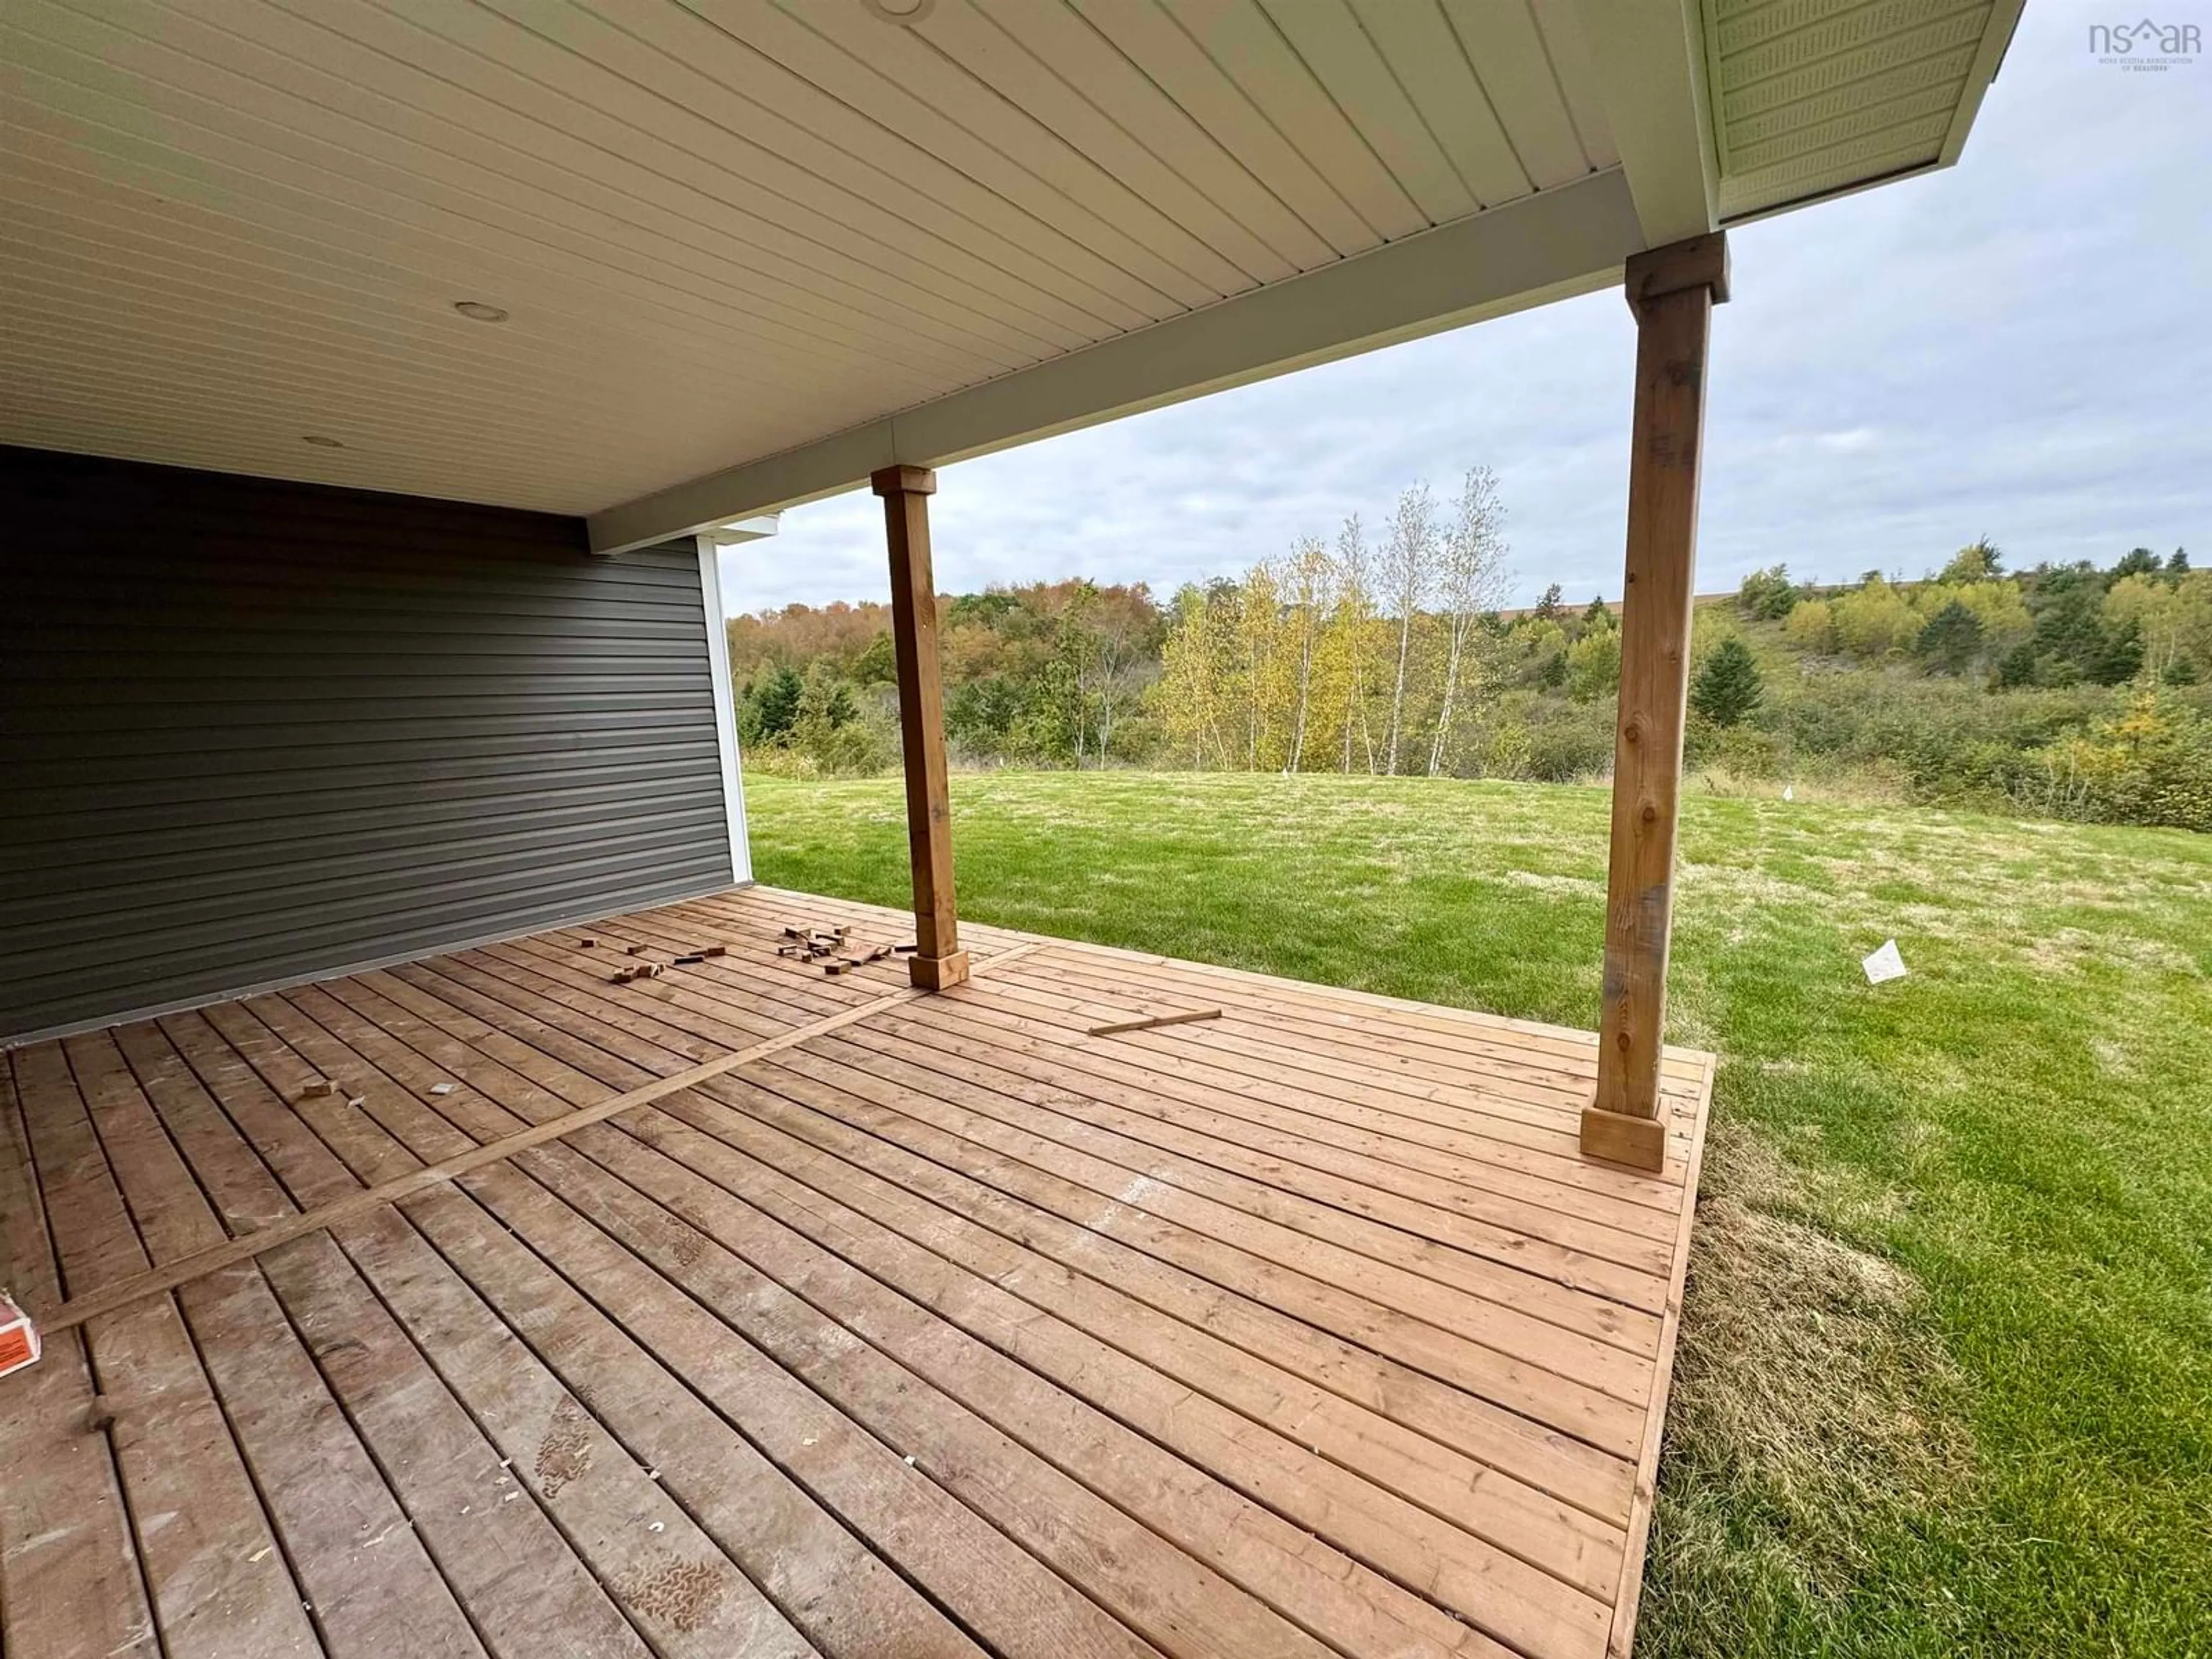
(1945, 1377)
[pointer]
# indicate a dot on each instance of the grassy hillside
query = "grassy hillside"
(1946, 1380)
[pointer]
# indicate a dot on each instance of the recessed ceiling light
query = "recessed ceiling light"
(908, 12)
(477, 312)
(321, 442)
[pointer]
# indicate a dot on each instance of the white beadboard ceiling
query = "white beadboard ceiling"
(734, 238)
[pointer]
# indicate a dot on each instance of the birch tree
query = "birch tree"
(1309, 585)
(1259, 621)
(1190, 690)
(1409, 573)
(1472, 581)
(1354, 610)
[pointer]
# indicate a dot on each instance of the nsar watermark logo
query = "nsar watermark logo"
(2146, 46)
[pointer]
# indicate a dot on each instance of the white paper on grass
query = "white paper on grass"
(1789, 792)
(1885, 963)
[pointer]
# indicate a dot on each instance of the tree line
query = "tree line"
(1385, 651)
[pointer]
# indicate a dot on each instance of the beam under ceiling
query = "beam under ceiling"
(1548, 246)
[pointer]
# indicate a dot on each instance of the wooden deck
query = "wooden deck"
(935, 1327)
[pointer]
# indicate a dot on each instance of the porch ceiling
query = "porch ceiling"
(734, 238)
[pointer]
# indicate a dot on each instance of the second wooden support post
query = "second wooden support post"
(939, 962)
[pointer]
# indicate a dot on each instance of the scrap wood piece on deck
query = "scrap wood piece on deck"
(830, 946)
(646, 967)
(1152, 1021)
(879, 953)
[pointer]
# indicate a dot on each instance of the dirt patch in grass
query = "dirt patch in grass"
(2069, 949)
(1811, 1397)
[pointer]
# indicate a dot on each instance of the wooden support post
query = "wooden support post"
(937, 962)
(1672, 291)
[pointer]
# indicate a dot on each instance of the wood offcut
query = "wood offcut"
(1153, 1022)
(834, 949)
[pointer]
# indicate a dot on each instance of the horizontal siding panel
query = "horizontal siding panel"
(347, 685)
(156, 778)
(230, 729)
(271, 626)
(288, 958)
(191, 846)
(252, 656)
(255, 731)
(128, 939)
(450, 798)
(148, 893)
(213, 722)
(360, 579)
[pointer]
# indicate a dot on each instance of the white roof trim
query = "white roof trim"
(1996, 40)
(1528, 252)
(725, 709)
(757, 528)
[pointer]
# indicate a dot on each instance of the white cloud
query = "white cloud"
(1850, 442)
(2016, 347)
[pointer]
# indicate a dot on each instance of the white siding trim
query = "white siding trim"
(725, 709)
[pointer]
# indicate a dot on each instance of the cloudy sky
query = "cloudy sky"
(2018, 347)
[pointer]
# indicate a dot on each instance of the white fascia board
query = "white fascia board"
(1649, 57)
(757, 528)
(1996, 40)
(1543, 247)
(725, 709)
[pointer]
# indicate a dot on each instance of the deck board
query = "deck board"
(950, 1331)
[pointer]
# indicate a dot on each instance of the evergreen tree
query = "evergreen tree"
(1728, 686)
(769, 708)
(2136, 561)
(2017, 667)
(1952, 641)
(1768, 594)
(2118, 658)
(2070, 631)
(1548, 606)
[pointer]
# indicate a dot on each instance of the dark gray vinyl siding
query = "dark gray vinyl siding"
(253, 732)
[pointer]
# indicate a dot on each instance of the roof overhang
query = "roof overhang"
(730, 256)
(1557, 243)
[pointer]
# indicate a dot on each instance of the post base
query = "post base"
(1639, 1142)
(938, 973)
